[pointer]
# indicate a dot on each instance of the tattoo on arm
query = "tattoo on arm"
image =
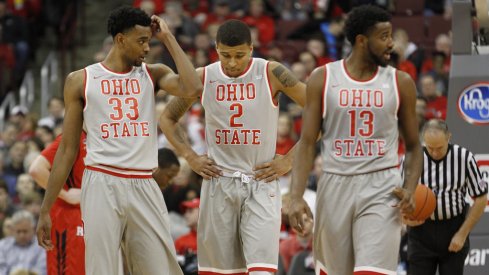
(284, 76)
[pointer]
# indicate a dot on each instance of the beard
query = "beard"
(378, 60)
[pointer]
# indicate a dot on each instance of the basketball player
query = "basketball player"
(360, 104)
(239, 220)
(68, 255)
(121, 204)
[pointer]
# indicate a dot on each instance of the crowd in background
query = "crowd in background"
(302, 34)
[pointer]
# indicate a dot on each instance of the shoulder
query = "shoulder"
(75, 81)
(403, 78)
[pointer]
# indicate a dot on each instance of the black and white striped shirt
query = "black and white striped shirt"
(450, 179)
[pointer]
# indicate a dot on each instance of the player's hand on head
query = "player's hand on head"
(406, 203)
(270, 171)
(44, 231)
(159, 26)
(205, 167)
(300, 216)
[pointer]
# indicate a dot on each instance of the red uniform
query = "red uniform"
(68, 255)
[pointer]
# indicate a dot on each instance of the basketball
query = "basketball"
(425, 203)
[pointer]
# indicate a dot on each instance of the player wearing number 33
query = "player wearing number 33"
(121, 204)
(239, 221)
(360, 104)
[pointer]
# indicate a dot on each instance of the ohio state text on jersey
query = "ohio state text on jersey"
(120, 117)
(241, 116)
(360, 124)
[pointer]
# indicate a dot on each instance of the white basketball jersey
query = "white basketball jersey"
(120, 118)
(240, 116)
(360, 124)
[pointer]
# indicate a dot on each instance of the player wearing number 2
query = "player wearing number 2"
(121, 204)
(360, 104)
(239, 219)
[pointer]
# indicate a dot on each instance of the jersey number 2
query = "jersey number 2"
(238, 109)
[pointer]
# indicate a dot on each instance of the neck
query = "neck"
(115, 62)
(359, 66)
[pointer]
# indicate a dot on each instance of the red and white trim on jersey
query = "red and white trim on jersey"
(270, 90)
(85, 88)
(320, 269)
(398, 92)
(241, 271)
(370, 270)
(113, 72)
(146, 69)
(357, 81)
(203, 84)
(325, 90)
(122, 172)
(216, 271)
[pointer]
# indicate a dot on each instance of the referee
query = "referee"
(451, 172)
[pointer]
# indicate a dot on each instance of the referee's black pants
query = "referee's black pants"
(428, 248)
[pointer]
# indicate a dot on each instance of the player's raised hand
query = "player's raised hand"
(204, 166)
(44, 231)
(406, 203)
(159, 27)
(272, 170)
(300, 216)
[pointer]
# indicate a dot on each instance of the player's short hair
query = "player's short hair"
(233, 33)
(436, 124)
(124, 18)
(167, 158)
(362, 19)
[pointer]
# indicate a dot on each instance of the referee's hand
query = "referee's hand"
(44, 231)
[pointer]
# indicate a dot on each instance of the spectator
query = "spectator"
(436, 106)
(264, 23)
(25, 185)
(221, 13)
(7, 138)
(317, 48)
(309, 61)
(186, 245)
(7, 209)
(293, 246)
(45, 134)
(21, 251)
(15, 165)
(56, 110)
(15, 33)
(421, 111)
(333, 35)
(285, 140)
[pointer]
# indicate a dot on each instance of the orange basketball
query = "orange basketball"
(425, 203)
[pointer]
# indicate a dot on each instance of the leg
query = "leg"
(333, 247)
(218, 240)
(148, 246)
(377, 225)
(421, 259)
(103, 219)
(260, 226)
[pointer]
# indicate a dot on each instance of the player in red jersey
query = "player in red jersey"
(68, 255)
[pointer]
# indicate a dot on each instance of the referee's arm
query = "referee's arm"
(477, 188)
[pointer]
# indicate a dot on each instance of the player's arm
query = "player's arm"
(185, 84)
(175, 133)
(408, 126)
(67, 151)
(39, 171)
(281, 80)
(306, 150)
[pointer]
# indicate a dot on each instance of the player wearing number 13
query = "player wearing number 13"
(121, 204)
(239, 221)
(360, 104)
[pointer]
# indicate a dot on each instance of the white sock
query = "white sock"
(261, 273)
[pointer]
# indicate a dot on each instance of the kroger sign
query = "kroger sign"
(473, 103)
